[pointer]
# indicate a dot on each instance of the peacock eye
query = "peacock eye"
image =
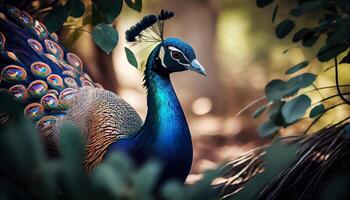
(175, 54)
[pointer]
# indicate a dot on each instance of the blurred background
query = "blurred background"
(235, 42)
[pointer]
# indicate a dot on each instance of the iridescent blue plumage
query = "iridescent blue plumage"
(33, 64)
(165, 135)
(50, 83)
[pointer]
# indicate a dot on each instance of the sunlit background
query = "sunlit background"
(234, 40)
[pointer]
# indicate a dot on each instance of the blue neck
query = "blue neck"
(165, 134)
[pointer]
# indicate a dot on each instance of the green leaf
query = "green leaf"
(324, 26)
(302, 80)
(346, 133)
(305, 7)
(310, 39)
(108, 180)
(331, 51)
(145, 179)
(275, 114)
(95, 17)
(48, 172)
(120, 162)
(71, 141)
(294, 109)
(263, 3)
(105, 36)
(72, 149)
(12, 142)
(283, 28)
(340, 35)
(277, 89)
(297, 67)
(131, 57)
(134, 4)
(274, 14)
(267, 129)
(110, 8)
(317, 110)
(173, 190)
(299, 35)
(76, 7)
(260, 110)
(55, 18)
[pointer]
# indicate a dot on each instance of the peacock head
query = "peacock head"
(176, 55)
(172, 54)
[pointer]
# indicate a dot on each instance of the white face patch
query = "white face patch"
(171, 48)
(162, 55)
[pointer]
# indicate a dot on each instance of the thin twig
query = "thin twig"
(77, 29)
(250, 105)
(337, 82)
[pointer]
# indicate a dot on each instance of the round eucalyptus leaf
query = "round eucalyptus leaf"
(105, 36)
(302, 80)
(76, 8)
(275, 114)
(294, 109)
(331, 51)
(339, 36)
(267, 129)
(110, 8)
(305, 7)
(55, 18)
(263, 3)
(277, 89)
(317, 110)
(310, 39)
(297, 67)
(299, 35)
(131, 57)
(283, 28)
(134, 4)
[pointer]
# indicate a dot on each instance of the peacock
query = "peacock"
(53, 88)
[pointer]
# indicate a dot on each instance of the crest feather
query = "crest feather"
(135, 30)
(146, 35)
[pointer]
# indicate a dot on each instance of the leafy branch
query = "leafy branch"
(99, 14)
(288, 104)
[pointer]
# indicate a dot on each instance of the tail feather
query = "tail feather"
(320, 156)
(36, 69)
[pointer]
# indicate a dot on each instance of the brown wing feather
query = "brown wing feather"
(103, 117)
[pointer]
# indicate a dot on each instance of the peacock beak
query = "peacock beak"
(197, 67)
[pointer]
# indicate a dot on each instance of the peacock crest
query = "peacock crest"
(146, 35)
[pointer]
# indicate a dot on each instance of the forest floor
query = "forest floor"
(212, 149)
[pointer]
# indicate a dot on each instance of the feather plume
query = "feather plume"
(146, 35)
